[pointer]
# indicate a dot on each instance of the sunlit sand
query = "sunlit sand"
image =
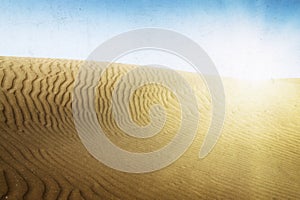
(41, 155)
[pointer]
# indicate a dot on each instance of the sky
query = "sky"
(245, 39)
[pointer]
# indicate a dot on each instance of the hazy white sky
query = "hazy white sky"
(245, 40)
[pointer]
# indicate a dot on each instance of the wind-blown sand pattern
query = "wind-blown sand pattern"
(42, 157)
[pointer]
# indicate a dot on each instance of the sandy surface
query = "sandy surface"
(42, 157)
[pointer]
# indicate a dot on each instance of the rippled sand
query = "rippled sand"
(42, 157)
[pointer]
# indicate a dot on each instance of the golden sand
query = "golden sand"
(42, 157)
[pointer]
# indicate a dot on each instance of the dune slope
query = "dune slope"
(42, 157)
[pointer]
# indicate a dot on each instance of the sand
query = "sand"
(42, 157)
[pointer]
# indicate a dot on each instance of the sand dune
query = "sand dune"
(42, 157)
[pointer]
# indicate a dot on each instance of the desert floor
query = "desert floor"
(42, 157)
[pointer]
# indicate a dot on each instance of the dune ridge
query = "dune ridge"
(42, 157)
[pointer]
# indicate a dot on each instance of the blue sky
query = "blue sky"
(260, 38)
